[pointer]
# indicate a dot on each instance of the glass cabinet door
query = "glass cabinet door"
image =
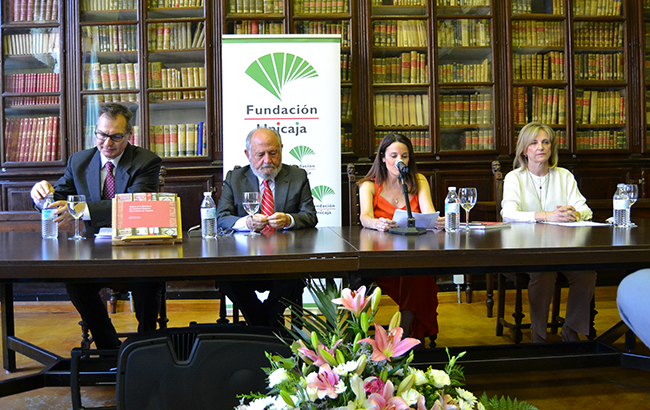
(465, 76)
(176, 80)
(400, 71)
(31, 83)
(110, 63)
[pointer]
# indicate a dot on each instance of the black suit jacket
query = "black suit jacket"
(292, 196)
(138, 171)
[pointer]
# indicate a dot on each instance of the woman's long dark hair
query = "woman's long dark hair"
(378, 171)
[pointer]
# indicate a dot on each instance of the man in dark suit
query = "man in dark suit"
(293, 208)
(133, 169)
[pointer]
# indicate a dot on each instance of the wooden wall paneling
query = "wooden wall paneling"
(16, 196)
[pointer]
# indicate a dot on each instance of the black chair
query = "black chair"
(521, 282)
(198, 367)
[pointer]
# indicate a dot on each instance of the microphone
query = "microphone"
(401, 166)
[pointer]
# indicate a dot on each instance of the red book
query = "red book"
(54, 135)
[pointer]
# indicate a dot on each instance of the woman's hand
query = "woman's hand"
(440, 223)
(564, 214)
(383, 224)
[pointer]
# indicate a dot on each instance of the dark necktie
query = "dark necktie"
(109, 184)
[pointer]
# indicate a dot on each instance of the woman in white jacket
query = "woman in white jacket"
(537, 190)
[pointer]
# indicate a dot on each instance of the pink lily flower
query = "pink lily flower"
(353, 300)
(387, 345)
(386, 400)
(376, 385)
(325, 382)
(316, 357)
(440, 404)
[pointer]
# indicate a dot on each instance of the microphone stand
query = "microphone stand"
(410, 228)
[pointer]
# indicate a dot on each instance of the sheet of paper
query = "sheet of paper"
(426, 221)
(580, 223)
(104, 233)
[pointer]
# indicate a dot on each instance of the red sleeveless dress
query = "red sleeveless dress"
(418, 294)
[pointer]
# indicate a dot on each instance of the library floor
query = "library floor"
(54, 327)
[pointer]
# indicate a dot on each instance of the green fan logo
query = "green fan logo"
(273, 71)
(300, 152)
(321, 191)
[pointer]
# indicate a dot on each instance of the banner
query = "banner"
(290, 83)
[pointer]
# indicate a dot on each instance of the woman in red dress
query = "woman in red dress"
(380, 194)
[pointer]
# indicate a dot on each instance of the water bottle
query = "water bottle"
(49, 228)
(452, 211)
(621, 206)
(208, 216)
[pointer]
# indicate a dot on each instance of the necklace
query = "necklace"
(538, 183)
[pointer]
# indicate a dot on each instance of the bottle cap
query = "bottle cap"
(452, 188)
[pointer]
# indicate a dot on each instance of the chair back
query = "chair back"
(498, 188)
(353, 195)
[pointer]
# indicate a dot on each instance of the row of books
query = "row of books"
(459, 3)
(14, 102)
(89, 134)
(346, 141)
(121, 76)
(326, 27)
(31, 139)
(107, 38)
(525, 7)
(346, 68)
(465, 109)
(392, 110)
(178, 140)
(601, 139)
(465, 73)
(185, 77)
(33, 10)
(598, 34)
(600, 107)
(346, 105)
(45, 41)
(420, 139)
(257, 27)
(543, 104)
(597, 7)
(399, 33)
(121, 98)
(176, 36)
(409, 68)
(108, 5)
(532, 33)
(321, 6)
(256, 6)
(168, 4)
(32, 83)
(471, 140)
(464, 33)
(599, 66)
(541, 66)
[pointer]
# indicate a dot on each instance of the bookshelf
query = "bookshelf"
(32, 81)
(459, 77)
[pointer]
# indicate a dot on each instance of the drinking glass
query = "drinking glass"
(633, 193)
(76, 207)
(467, 197)
(251, 204)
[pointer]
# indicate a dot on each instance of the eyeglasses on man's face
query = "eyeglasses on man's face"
(114, 137)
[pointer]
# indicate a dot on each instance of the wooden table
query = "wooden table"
(330, 252)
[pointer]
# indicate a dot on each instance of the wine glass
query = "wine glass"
(467, 197)
(251, 204)
(76, 207)
(633, 193)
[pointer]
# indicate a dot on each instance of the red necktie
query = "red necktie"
(268, 205)
(109, 184)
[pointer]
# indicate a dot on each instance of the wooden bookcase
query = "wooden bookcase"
(461, 77)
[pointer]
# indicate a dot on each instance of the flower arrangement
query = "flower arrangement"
(337, 364)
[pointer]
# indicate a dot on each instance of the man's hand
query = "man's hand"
(257, 222)
(279, 220)
(40, 191)
(64, 216)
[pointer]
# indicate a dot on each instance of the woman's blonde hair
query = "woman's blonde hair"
(526, 136)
